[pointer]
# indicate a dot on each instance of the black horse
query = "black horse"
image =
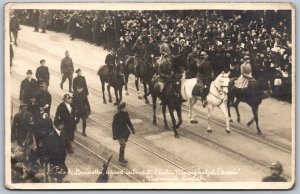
(171, 98)
(116, 80)
(146, 70)
(252, 95)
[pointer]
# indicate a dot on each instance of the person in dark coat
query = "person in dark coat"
(192, 64)
(17, 123)
(36, 15)
(33, 108)
(110, 61)
(44, 98)
(80, 82)
(28, 88)
(14, 28)
(42, 73)
(276, 170)
(56, 146)
(81, 112)
(67, 70)
(65, 112)
(139, 49)
(204, 76)
(11, 54)
(122, 128)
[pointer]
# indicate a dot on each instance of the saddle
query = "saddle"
(200, 88)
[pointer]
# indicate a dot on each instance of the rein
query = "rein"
(216, 95)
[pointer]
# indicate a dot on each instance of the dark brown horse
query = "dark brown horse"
(116, 80)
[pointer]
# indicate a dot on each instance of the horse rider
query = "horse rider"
(164, 50)
(204, 76)
(122, 53)
(246, 74)
(110, 61)
(192, 64)
(165, 72)
(140, 50)
(276, 170)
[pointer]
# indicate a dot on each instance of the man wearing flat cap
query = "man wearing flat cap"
(42, 73)
(246, 74)
(79, 83)
(56, 146)
(67, 70)
(122, 128)
(28, 88)
(65, 113)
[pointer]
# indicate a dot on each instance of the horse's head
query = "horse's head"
(176, 84)
(222, 82)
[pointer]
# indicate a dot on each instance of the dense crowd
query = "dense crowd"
(227, 36)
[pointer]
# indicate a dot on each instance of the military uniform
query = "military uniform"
(14, 28)
(79, 103)
(44, 100)
(191, 66)
(67, 69)
(80, 82)
(139, 50)
(42, 75)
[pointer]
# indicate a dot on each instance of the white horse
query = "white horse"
(217, 97)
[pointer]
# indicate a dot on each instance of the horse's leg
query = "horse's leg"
(229, 100)
(223, 109)
(255, 114)
(192, 103)
(164, 107)
(145, 92)
(171, 111)
(103, 91)
(154, 109)
(120, 93)
(179, 115)
(209, 110)
(126, 83)
(250, 122)
(117, 96)
(236, 107)
(109, 94)
(137, 87)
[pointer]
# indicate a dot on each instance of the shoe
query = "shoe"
(204, 103)
(123, 160)
(84, 134)
(61, 86)
(71, 91)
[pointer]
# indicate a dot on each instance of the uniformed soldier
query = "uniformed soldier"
(67, 70)
(110, 61)
(65, 112)
(79, 102)
(140, 50)
(44, 98)
(80, 82)
(192, 64)
(204, 76)
(14, 28)
(33, 108)
(17, 123)
(276, 170)
(42, 73)
(122, 128)
(56, 146)
(165, 72)
(122, 53)
(28, 88)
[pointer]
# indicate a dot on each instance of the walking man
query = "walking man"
(122, 128)
(42, 73)
(44, 99)
(28, 88)
(67, 70)
(80, 82)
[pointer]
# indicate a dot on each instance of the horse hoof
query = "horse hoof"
(194, 121)
(209, 131)
(248, 124)
(127, 93)
(176, 135)
(259, 133)
(116, 103)
(154, 123)
(139, 97)
(104, 102)
(227, 131)
(230, 120)
(110, 101)
(147, 102)
(238, 120)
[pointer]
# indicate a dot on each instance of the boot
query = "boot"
(61, 86)
(83, 133)
(121, 155)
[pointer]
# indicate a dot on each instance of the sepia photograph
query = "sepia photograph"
(149, 96)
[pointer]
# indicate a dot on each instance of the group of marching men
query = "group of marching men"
(38, 142)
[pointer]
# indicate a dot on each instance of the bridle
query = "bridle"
(220, 92)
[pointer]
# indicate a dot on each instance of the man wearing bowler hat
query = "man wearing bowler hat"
(28, 88)
(67, 70)
(42, 73)
(65, 113)
(122, 128)
(79, 82)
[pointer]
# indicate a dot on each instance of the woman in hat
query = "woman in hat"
(246, 74)
(122, 128)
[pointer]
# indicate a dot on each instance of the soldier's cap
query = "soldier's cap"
(58, 122)
(43, 60)
(78, 70)
(121, 105)
(67, 96)
(43, 84)
(29, 72)
(247, 57)
(203, 53)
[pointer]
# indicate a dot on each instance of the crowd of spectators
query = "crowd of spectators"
(227, 36)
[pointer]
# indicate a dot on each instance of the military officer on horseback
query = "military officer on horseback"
(204, 76)
(110, 61)
(140, 50)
